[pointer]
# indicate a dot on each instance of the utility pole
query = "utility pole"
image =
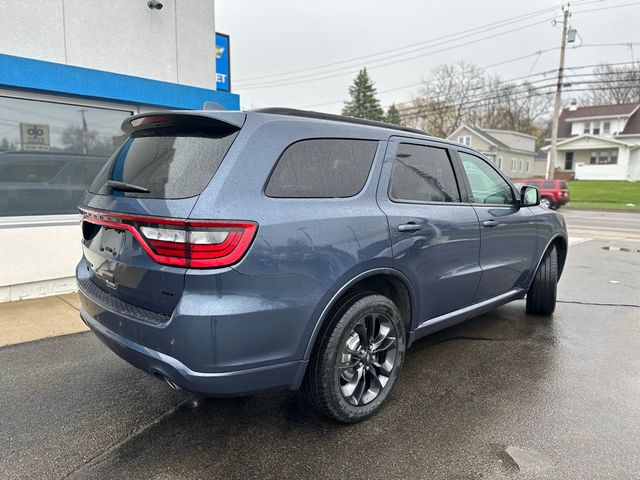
(85, 132)
(553, 152)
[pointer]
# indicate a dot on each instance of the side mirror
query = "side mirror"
(529, 196)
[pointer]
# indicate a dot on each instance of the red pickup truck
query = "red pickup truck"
(553, 193)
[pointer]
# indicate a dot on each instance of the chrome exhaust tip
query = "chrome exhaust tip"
(171, 384)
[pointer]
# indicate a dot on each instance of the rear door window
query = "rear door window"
(422, 174)
(322, 168)
(170, 162)
(548, 185)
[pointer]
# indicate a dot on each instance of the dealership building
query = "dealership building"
(70, 72)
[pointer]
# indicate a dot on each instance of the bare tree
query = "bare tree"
(614, 85)
(448, 90)
(463, 93)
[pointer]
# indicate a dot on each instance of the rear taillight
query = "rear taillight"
(185, 243)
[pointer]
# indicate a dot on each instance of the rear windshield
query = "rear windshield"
(169, 162)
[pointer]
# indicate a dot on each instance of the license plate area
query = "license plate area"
(102, 253)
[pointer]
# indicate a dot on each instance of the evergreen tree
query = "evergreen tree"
(363, 103)
(393, 115)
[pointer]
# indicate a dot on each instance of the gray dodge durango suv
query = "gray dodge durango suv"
(232, 252)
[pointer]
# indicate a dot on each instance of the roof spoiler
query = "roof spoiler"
(196, 118)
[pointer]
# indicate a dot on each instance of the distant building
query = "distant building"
(599, 142)
(512, 152)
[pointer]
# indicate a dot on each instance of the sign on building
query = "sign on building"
(223, 63)
(34, 137)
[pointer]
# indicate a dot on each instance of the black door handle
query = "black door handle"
(409, 227)
(489, 223)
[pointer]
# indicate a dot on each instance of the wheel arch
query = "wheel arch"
(387, 281)
(561, 243)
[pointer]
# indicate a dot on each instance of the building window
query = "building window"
(587, 127)
(596, 129)
(568, 161)
(514, 165)
(51, 152)
(606, 127)
(465, 140)
(521, 165)
(528, 166)
(500, 163)
(603, 157)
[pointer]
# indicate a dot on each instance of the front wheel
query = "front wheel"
(357, 361)
(541, 297)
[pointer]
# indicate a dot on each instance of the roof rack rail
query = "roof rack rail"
(336, 118)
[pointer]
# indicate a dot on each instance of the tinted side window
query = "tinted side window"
(322, 168)
(486, 185)
(549, 185)
(37, 170)
(423, 174)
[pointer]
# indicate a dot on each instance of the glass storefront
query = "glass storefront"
(50, 152)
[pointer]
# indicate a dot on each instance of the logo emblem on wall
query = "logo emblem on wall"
(223, 63)
(34, 137)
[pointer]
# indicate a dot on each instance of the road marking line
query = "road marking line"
(578, 240)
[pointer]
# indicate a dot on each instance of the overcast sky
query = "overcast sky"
(269, 38)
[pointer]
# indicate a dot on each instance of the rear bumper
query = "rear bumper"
(218, 343)
(229, 383)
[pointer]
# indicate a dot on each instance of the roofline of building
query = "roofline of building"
(587, 135)
(619, 115)
(490, 130)
(464, 125)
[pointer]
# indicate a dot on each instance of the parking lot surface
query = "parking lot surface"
(505, 395)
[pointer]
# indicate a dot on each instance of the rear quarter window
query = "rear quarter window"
(322, 168)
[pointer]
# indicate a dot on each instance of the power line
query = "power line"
(502, 82)
(606, 8)
(432, 40)
(304, 79)
(485, 100)
(452, 36)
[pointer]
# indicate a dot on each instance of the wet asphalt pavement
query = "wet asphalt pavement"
(505, 395)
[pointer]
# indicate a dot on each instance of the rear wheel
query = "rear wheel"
(357, 361)
(541, 297)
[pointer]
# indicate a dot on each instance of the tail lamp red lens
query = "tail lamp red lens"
(184, 243)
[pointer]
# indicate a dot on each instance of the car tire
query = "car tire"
(541, 297)
(545, 202)
(350, 387)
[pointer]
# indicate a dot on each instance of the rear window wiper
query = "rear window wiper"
(126, 187)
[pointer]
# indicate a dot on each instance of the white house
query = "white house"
(599, 142)
(512, 152)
